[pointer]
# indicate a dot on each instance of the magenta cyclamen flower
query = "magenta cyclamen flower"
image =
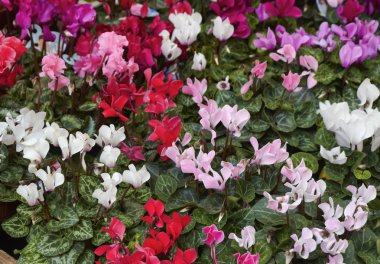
(268, 43)
(214, 236)
(349, 54)
(53, 67)
(283, 8)
(259, 70)
(247, 258)
(291, 82)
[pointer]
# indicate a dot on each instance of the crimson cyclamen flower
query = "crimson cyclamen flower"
(155, 210)
(166, 131)
(175, 225)
(185, 257)
(159, 242)
(133, 153)
(350, 10)
(179, 7)
(283, 8)
(115, 109)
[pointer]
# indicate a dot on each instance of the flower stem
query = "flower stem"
(36, 69)
(213, 255)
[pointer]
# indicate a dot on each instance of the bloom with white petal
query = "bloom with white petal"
(109, 182)
(136, 177)
(199, 62)
(169, 49)
(305, 244)
(109, 156)
(222, 30)
(51, 179)
(367, 94)
(337, 259)
(333, 246)
(53, 132)
(224, 85)
(107, 197)
(108, 135)
(334, 156)
(234, 120)
(31, 193)
(247, 239)
(186, 27)
(70, 147)
(333, 112)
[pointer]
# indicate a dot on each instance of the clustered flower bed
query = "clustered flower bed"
(178, 131)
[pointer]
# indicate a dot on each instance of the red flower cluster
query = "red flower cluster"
(11, 49)
(164, 232)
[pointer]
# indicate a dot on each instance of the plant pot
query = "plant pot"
(6, 259)
(6, 210)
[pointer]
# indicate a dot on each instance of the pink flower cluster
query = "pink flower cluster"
(53, 67)
(355, 216)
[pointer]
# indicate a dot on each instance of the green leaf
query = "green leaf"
(65, 217)
(87, 257)
(245, 190)
(88, 106)
(69, 257)
(306, 114)
(25, 210)
(87, 185)
(126, 219)
(327, 74)
(213, 203)
(165, 187)
(266, 180)
(29, 254)
(284, 121)
(242, 218)
(192, 239)
(3, 157)
(317, 53)
(182, 198)
(7, 195)
(362, 174)
(12, 174)
(89, 126)
(100, 237)
(310, 160)
(51, 245)
(16, 226)
(325, 138)
(351, 254)
(262, 246)
(267, 216)
(204, 218)
(333, 172)
(225, 98)
(71, 122)
(81, 231)
(364, 240)
(368, 258)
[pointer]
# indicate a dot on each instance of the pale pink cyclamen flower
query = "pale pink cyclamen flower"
(110, 42)
(337, 259)
(247, 258)
(362, 193)
(291, 82)
(214, 236)
(334, 247)
(216, 181)
(196, 89)
(355, 216)
(237, 170)
(234, 120)
(53, 67)
(305, 244)
(258, 72)
(331, 216)
(210, 115)
(280, 204)
(224, 85)
(287, 54)
(295, 175)
(270, 154)
(311, 64)
(199, 165)
(247, 239)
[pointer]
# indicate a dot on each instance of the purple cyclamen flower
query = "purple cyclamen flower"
(349, 54)
(268, 43)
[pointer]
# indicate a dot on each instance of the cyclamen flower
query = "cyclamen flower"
(107, 197)
(282, 8)
(291, 82)
(109, 156)
(268, 43)
(108, 135)
(224, 85)
(53, 67)
(259, 69)
(247, 239)
(155, 210)
(234, 120)
(305, 244)
(247, 258)
(110, 42)
(280, 204)
(350, 54)
(169, 49)
(31, 193)
(296, 175)
(222, 30)
(216, 181)
(287, 54)
(270, 154)
(53, 132)
(367, 94)
(111, 181)
(186, 27)
(210, 115)
(134, 153)
(136, 177)
(334, 156)
(196, 89)
(214, 236)
(199, 62)
(350, 10)
(51, 179)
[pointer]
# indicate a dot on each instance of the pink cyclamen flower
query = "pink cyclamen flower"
(280, 204)
(214, 236)
(216, 181)
(295, 175)
(337, 259)
(268, 43)
(234, 120)
(363, 194)
(349, 54)
(270, 154)
(53, 67)
(291, 82)
(237, 170)
(247, 239)
(210, 115)
(259, 70)
(309, 62)
(305, 244)
(196, 89)
(287, 54)
(110, 42)
(247, 258)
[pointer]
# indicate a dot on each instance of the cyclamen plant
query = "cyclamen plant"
(189, 131)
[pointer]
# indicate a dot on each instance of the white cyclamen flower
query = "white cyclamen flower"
(108, 135)
(109, 156)
(105, 198)
(109, 182)
(199, 62)
(222, 30)
(136, 177)
(224, 85)
(332, 113)
(53, 132)
(186, 27)
(334, 156)
(70, 147)
(169, 49)
(367, 94)
(50, 179)
(31, 193)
